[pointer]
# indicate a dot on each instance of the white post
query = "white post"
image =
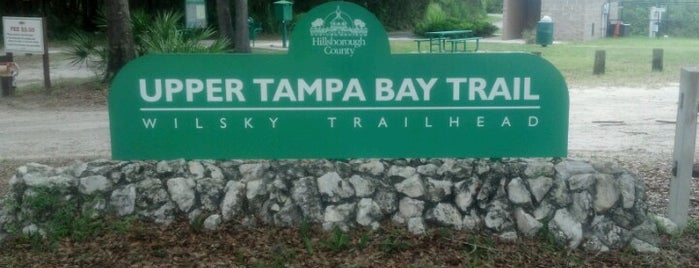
(683, 154)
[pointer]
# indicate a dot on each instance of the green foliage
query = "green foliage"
(549, 240)
(493, 6)
(305, 235)
(159, 34)
(85, 50)
(394, 242)
(337, 241)
(436, 19)
(680, 20)
(363, 241)
(60, 217)
(162, 35)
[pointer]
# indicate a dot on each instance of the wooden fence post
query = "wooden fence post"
(683, 153)
(600, 59)
(657, 60)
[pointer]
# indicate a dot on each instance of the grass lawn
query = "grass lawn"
(628, 60)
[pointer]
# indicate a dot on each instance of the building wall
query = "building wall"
(519, 15)
(576, 19)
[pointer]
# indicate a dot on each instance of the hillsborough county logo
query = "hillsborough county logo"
(338, 33)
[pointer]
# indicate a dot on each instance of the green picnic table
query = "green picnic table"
(439, 39)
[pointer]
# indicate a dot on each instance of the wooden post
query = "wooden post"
(657, 60)
(6, 88)
(47, 73)
(683, 153)
(600, 59)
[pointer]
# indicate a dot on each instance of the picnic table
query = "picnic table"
(439, 39)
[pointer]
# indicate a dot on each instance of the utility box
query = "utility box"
(544, 31)
(195, 13)
(283, 11)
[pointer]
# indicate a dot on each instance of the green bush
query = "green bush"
(438, 20)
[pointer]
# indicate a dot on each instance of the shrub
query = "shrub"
(438, 20)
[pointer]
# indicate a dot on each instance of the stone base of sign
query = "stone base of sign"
(596, 206)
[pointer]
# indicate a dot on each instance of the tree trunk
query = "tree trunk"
(120, 34)
(225, 22)
(242, 36)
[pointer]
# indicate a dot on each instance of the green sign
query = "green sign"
(339, 93)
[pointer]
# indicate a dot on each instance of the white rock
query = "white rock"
(255, 188)
(338, 213)
(581, 181)
(526, 223)
(437, 190)
(643, 247)
(181, 191)
(410, 208)
(412, 187)
(196, 169)
(472, 222)
(416, 226)
(567, 168)
(233, 200)
(607, 193)
(427, 170)
(510, 236)
(254, 171)
(665, 225)
(405, 172)
(540, 186)
(539, 169)
(566, 229)
(362, 187)
(212, 222)
(59, 181)
(373, 167)
(123, 200)
(334, 188)
(581, 208)
(305, 194)
(627, 187)
(93, 184)
(368, 212)
(517, 192)
(446, 215)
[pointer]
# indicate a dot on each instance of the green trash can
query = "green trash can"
(544, 31)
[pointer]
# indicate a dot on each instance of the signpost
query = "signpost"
(27, 35)
(685, 141)
(339, 93)
(195, 13)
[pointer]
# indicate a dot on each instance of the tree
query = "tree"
(242, 36)
(120, 34)
(225, 23)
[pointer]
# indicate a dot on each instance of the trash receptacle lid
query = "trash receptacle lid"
(546, 19)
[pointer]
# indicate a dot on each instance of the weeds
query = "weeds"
(304, 234)
(338, 240)
(59, 217)
(394, 242)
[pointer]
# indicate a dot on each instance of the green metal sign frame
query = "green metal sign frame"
(338, 93)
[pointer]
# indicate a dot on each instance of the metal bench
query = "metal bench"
(456, 41)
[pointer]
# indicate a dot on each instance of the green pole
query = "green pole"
(284, 34)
